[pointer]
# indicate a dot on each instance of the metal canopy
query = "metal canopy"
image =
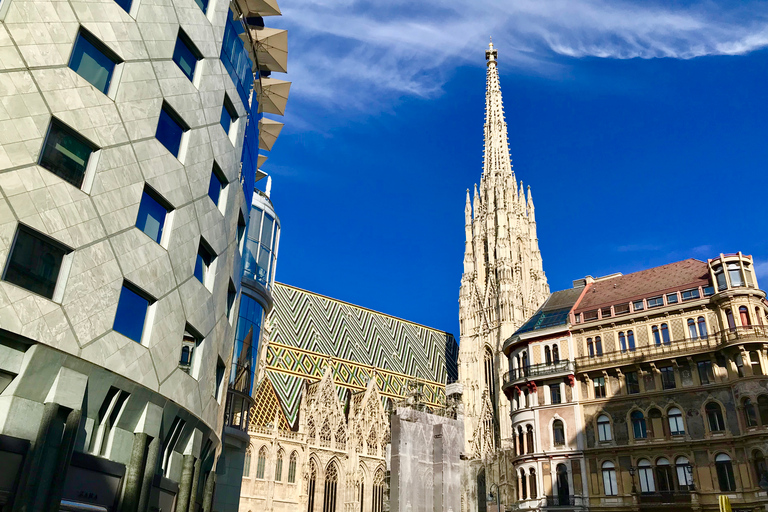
(272, 95)
(268, 132)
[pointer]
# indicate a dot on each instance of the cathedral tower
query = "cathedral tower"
(503, 282)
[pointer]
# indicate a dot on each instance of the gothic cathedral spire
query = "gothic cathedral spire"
(503, 282)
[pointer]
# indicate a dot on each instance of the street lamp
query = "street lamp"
(490, 496)
(632, 474)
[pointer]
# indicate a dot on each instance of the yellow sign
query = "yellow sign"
(725, 503)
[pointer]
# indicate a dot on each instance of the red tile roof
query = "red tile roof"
(681, 275)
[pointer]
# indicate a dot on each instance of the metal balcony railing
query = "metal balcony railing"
(666, 498)
(561, 501)
(538, 370)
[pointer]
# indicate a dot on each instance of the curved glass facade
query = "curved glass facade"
(261, 246)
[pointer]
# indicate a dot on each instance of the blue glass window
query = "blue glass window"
(236, 60)
(203, 4)
(216, 185)
(185, 55)
(169, 130)
(125, 4)
(91, 63)
(66, 154)
(228, 114)
(34, 262)
(202, 263)
(131, 314)
(151, 218)
(247, 338)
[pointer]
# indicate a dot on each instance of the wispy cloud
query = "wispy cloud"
(761, 269)
(355, 53)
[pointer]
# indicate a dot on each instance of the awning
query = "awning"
(268, 132)
(252, 8)
(271, 48)
(260, 160)
(272, 95)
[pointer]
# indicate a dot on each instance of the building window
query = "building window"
(645, 473)
(633, 383)
(261, 462)
(760, 467)
(622, 342)
(93, 61)
(744, 316)
(331, 480)
(676, 427)
(555, 354)
(590, 348)
(714, 417)
(667, 377)
(656, 335)
(599, 386)
(125, 4)
(216, 186)
(247, 463)
(605, 312)
(228, 115)
(35, 262)
(170, 130)
(709, 291)
(638, 425)
(292, 468)
(311, 488)
(665, 334)
(379, 488)
(631, 340)
(523, 486)
(672, 298)
(554, 390)
(563, 486)
(720, 278)
(532, 483)
(153, 211)
(754, 358)
(609, 479)
(725, 473)
(203, 262)
(638, 305)
(762, 408)
(132, 312)
(558, 433)
(739, 365)
(604, 428)
(706, 375)
(231, 298)
(203, 4)
(186, 55)
(66, 153)
(598, 346)
(189, 344)
(220, 369)
(690, 294)
(109, 414)
(279, 467)
(547, 355)
(529, 439)
(655, 302)
(734, 272)
(664, 475)
(750, 416)
(692, 329)
(621, 309)
(729, 319)
(684, 474)
(590, 315)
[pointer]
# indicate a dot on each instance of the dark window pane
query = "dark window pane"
(151, 217)
(169, 132)
(90, 63)
(214, 189)
(34, 263)
(202, 262)
(226, 118)
(65, 154)
(203, 4)
(125, 4)
(266, 232)
(131, 313)
(184, 57)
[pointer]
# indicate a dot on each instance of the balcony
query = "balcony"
(665, 498)
(538, 371)
(675, 348)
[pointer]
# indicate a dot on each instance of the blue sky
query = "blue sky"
(642, 129)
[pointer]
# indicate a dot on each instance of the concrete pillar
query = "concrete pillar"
(27, 490)
(134, 473)
(210, 481)
(185, 486)
(195, 483)
(64, 457)
(149, 474)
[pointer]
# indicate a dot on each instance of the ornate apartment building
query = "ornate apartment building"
(645, 390)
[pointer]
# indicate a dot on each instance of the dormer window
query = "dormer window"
(734, 273)
(655, 302)
(693, 293)
(638, 305)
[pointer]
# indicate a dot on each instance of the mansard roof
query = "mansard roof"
(554, 311)
(680, 275)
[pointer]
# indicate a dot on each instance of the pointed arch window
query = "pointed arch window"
(622, 342)
(379, 488)
(645, 474)
(529, 438)
(664, 475)
(490, 379)
(247, 463)
(312, 486)
(372, 442)
(725, 473)
(532, 484)
(676, 427)
(279, 467)
(261, 462)
(744, 316)
(341, 437)
(638, 425)
(692, 329)
(555, 354)
(665, 334)
(547, 355)
(631, 340)
(714, 417)
(702, 327)
(520, 441)
(292, 468)
(558, 433)
(750, 416)
(331, 483)
(325, 434)
(684, 474)
(604, 433)
(523, 485)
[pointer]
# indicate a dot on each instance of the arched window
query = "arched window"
(676, 427)
(341, 437)
(555, 354)
(762, 408)
(645, 474)
(331, 481)
(714, 417)
(378, 491)
(622, 342)
(754, 358)
(655, 414)
(758, 461)
(734, 272)
(547, 355)
(604, 428)
(325, 434)
(684, 474)
(311, 488)
(532, 484)
(609, 479)
(523, 485)
(372, 442)
(521, 440)
(563, 486)
(664, 475)
(292, 468)
(725, 473)
(261, 462)
(590, 348)
(598, 346)
(558, 433)
(744, 316)
(656, 335)
(529, 438)
(247, 463)
(525, 363)
(639, 429)
(729, 319)
(279, 466)
(631, 340)
(311, 430)
(702, 327)
(692, 329)
(665, 334)
(490, 380)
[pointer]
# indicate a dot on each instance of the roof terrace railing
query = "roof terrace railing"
(675, 348)
(538, 370)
